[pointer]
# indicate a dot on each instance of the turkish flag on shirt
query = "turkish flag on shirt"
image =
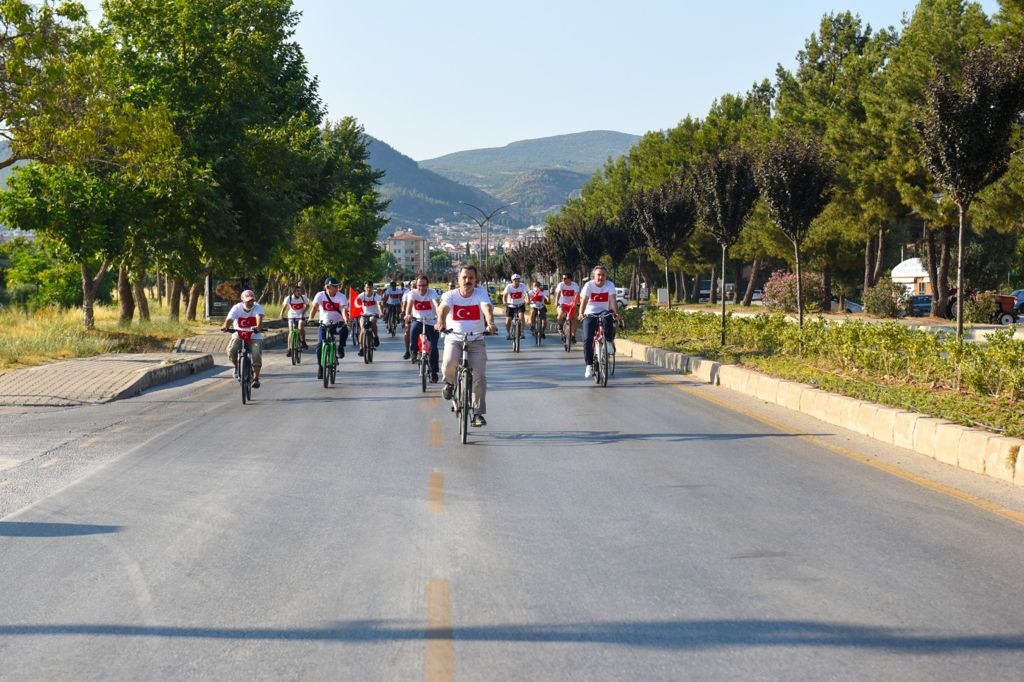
(466, 312)
(421, 305)
(599, 297)
(354, 309)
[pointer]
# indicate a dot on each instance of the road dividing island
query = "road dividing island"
(969, 448)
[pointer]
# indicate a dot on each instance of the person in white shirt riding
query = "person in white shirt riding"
(421, 316)
(370, 302)
(247, 315)
(565, 297)
(333, 307)
(515, 302)
(467, 310)
(295, 307)
(597, 296)
(405, 318)
(538, 306)
(393, 297)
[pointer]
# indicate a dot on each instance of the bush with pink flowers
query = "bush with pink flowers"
(780, 292)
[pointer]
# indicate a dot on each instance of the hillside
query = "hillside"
(542, 192)
(419, 197)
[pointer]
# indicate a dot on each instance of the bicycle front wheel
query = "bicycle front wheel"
(424, 364)
(603, 362)
(326, 360)
(246, 379)
(466, 398)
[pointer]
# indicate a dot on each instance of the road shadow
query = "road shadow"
(29, 529)
(677, 635)
(612, 437)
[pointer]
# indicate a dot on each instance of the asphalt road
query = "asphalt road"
(633, 532)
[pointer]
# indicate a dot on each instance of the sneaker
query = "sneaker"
(589, 372)
(341, 352)
(304, 346)
(508, 337)
(319, 372)
(433, 377)
(478, 420)
(406, 356)
(360, 353)
(448, 391)
(255, 383)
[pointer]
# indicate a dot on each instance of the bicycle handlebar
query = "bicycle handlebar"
(254, 330)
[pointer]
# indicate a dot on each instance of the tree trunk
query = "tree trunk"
(962, 210)
(869, 263)
(712, 288)
(799, 287)
(755, 268)
(159, 290)
(879, 259)
(933, 267)
(677, 280)
(666, 284)
(724, 250)
(193, 300)
(683, 286)
(826, 284)
(945, 252)
(90, 285)
(139, 287)
(125, 298)
(174, 298)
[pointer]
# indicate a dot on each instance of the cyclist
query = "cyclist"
(597, 296)
(246, 315)
(405, 319)
(471, 311)
(538, 306)
(333, 307)
(295, 306)
(393, 295)
(370, 302)
(515, 302)
(421, 314)
(565, 297)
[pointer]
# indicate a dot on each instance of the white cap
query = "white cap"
(516, 276)
(248, 295)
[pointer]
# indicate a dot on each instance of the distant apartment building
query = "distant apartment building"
(411, 251)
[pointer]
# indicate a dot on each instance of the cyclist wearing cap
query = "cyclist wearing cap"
(515, 302)
(246, 315)
(295, 307)
(538, 306)
(370, 302)
(333, 307)
(565, 297)
(597, 296)
(468, 310)
(421, 317)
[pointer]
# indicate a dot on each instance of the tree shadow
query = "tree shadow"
(28, 529)
(611, 437)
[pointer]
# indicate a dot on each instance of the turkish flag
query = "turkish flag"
(421, 305)
(354, 309)
(466, 312)
(599, 297)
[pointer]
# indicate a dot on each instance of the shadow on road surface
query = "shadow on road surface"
(26, 529)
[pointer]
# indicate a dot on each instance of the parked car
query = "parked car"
(758, 295)
(1019, 295)
(622, 296)
(919, 305)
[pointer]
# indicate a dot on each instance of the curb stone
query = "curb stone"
(961, 446)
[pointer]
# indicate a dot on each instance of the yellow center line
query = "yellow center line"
(89, 443)
(981, 503)
(119, 429)
(47, 465)
(435, 493)
(440, 654)
(223, 382)
(436, 440)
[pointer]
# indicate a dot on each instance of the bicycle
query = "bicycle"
(392, 319)
(516, 329)
(329, 354)
(600, 357)
(366, 338)
(566, 330)
(538, 327)
(424, 357)
(463, 393)
(295, 342)
(243, 370)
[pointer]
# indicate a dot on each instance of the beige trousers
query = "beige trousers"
(477, 361)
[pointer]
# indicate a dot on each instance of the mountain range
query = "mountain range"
(538, 175)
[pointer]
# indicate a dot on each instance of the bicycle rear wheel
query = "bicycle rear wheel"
(334, 372)
(423, 373)
(246, 379)
(515, 334)
(465, 398)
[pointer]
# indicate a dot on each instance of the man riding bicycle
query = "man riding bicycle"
(370, 303)
(421, 317)
(246, 315)
(597, 297)
(467, 310)
(333, 307)
(538, 306)
(565, 297)
(515, 302)
(393, 299)
(295, 307)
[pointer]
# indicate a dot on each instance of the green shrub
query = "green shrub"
(887, 299)
(979, 308)
(780, 292)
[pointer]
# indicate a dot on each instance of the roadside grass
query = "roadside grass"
(887, 363)
(50, 334)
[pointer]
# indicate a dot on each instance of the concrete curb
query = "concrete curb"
(960, 446)
(156, 376)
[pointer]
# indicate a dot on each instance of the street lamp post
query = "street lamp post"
(482, 222)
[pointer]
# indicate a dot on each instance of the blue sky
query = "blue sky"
(433, 77)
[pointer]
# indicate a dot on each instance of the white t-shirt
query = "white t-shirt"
(422, 308)
(394, 296)
(369, 304)
(245, 319)
(565, 294)
(297, 307)
(516, 296)
(600, 297)
(538, 298)
(465, 314)
(330, 308)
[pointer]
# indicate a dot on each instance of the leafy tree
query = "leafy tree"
(665, 217)
(724, 192)
(795, 180)
(966, 133)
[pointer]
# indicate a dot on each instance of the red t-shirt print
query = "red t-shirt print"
(421, 305)
(466, 312)
(245, 323)
(515, 294)
(599, 297)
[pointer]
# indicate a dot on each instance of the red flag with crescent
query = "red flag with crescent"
(354, 309)
(466, 312)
